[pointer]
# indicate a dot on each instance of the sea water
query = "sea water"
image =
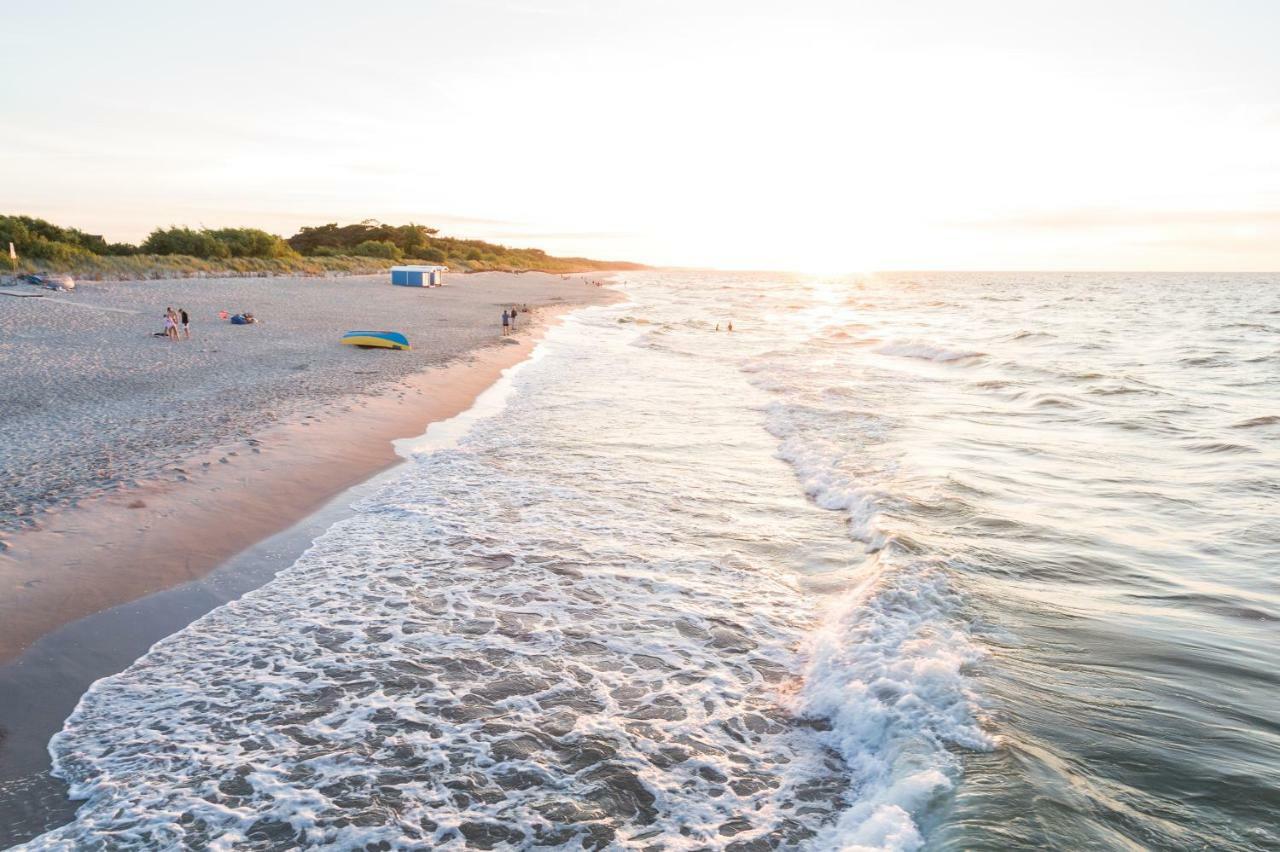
(902, 561)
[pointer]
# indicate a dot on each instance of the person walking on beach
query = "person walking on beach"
(506, 322)
(186, 323)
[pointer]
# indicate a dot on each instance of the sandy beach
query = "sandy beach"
(131, 464)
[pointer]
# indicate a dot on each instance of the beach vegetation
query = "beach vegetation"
(251, 242)
(43, 240)
(420, 243)
(378, 248)
(216, 243)
(185, 241)
(361, 248)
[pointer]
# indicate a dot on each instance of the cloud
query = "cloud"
(1102, 217)
(560, 235)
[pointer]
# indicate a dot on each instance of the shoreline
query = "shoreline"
(119, 547)
(309, 474)
(47, 681)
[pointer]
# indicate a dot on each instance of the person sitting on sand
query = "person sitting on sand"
(186, 323)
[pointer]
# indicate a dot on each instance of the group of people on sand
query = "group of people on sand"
(509, 317)
(177, 323)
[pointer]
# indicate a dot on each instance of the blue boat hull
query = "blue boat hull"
(376, 339)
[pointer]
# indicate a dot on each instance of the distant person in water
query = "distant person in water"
(186, 323)
(731, 325)
(506, 322)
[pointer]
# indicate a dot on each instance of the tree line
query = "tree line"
(41, 240)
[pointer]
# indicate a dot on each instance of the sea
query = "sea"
(901, 561)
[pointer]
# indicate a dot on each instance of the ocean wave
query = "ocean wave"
(926, 351)
(1120, 390)
(818, 443)
(1206, 361)
(888, 669)
(1053, 401)
(1255, 422)
(1217, 447)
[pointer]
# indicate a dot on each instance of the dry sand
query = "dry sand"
(130, 464)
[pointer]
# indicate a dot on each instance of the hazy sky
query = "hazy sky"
(827, 136)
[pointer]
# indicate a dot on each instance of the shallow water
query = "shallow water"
(958, 561)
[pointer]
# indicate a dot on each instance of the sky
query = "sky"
(815, 136)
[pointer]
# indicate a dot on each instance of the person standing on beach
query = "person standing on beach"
(170, 324)
(506, 322)
(186, 323)
(513, 317)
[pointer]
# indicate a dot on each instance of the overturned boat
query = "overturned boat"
(376, 339)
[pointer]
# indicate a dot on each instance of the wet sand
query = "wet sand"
(124, 545)
(42, 686)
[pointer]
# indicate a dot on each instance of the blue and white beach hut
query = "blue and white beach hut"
(418, 276)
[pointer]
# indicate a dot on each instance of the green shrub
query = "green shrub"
(61, 252)
(251, 242)
(175, 240)
(378, 248)
(37, 238)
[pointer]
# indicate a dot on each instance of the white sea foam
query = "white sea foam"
(887, 669)
(886, 664)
